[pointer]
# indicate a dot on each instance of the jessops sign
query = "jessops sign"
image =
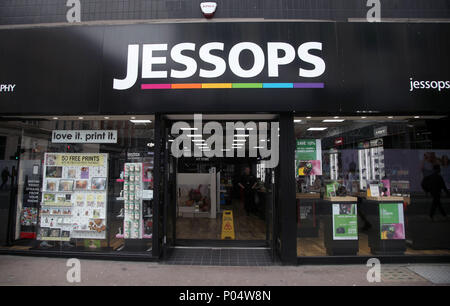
(273, 54)
(191, 67)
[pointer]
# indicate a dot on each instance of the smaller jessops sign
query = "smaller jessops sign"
(84, 136)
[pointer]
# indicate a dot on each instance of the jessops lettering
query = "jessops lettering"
(7, 87)
(278, 53)
(439, 85)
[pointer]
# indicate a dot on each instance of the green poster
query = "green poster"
(392, 225)
(308, 157)
(306, 149)
(92, 244)
(345, 222)
(331, 190)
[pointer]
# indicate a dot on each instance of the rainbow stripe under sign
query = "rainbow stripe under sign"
(231, 85)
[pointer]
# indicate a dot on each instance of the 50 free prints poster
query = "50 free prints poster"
(74, 196)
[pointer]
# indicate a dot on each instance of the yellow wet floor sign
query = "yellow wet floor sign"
(227, 225)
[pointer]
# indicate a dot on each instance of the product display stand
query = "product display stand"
(307, 223)
(340, 225)
(133, 214)
(387, 234)
(421, 229)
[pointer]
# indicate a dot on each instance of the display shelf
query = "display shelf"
(55, 239)
(56, 204)
(334, 166)
(307, 196)
(74, 190)
(133, 198)
(341, 199)
(121, 236)
(392, 198)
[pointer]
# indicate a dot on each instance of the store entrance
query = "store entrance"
(220, 191)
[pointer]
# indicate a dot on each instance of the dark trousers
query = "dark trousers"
(436, 203)
(249, 202)
(3, 183)
(366, 224)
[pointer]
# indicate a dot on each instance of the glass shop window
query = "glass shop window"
(372, 186)
(83, 185)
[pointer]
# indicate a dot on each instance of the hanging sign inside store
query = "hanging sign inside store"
(376, 142)
(308, 157)
(84, 136)
(339, 141)
(381, 131)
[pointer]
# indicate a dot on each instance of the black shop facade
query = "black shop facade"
(313, 142)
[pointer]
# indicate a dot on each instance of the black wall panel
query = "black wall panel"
(70, 70)
(50, 11)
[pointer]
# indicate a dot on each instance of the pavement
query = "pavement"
(35, 271)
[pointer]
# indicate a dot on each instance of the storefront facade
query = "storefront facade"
(88, 115)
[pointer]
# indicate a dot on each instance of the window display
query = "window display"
(68, 192)
(392, 213)
(71, 207)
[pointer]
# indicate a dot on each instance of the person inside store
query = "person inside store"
(5, 176)
(445, 169)
(351, 178)
(434, 184)
(248, 183)
(428, 162)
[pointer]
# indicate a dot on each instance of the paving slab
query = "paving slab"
(27, 270)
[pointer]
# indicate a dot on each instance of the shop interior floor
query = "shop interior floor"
(314, 246)
(246, 227)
